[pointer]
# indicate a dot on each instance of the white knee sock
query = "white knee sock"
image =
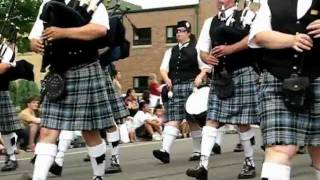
(65, 139)
(169, 134)
(245, 139)
(62, 148)
(196, 140)
(317, 174)
(220, 133)
(10, 144)
(45, 156)
(114, 138)
(209, 135)
(274, 171)
(98, 157)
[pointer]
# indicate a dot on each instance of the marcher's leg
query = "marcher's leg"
(65, 139)
(113, 137)
(10, 144)
(314, 153)
(209, 134)
(277, 162)
(97, 152)
(169, 134)
(247, 141)
(196, 136)
(45, 151)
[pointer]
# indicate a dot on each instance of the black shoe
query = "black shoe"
(162, 156)
(33, 160)
(216, 148)
(195, 156)
(10, 166)
(86, 159)
(113, 168)
(56, 169)
(98, 178)
(301, 150)
(248, 170)
(7, 159)
(238, 148)
(199, 173)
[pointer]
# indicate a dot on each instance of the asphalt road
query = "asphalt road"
(138, 163)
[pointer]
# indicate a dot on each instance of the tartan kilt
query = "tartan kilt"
(9, 121)
(118, 107)
(282, 127)
(175, 106)
(242, 108)
(85, 106)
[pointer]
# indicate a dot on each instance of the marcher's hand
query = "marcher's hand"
(37, 45)
(222, 50)
(168, 83)
(4, 67)
(53, 33)
(198, 81)
(302, 42)
(211, 60)
(314, 29)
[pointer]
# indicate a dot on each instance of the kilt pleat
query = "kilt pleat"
(9, 121)
(242, 108)
(118, 107)
(175, 106)
(85, 106)
(282, 127)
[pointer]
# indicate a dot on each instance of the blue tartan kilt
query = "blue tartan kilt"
(242, 107)
(282, 127)
(175, 106)
(118, 107)
(85, 106)
(9, 121)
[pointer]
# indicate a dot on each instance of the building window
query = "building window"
(171, 34)
(140, 83)
(142, 36)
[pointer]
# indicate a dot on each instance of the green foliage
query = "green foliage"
(22, 90)
(23, 16)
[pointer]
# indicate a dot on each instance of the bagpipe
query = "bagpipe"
(78, 13)
(8, 38)
(233, 30)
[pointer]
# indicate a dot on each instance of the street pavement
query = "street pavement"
(138, 163)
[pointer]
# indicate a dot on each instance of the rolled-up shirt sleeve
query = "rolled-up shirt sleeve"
(101, 17)
(204, 41)
(37, 29)
(165, 60)
(260, 24)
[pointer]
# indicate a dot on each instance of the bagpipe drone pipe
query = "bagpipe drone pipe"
(8, 37)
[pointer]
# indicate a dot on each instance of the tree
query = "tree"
(23, 15)
(22, 90)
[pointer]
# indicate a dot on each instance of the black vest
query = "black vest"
(281, 63)
(221, 34)
(183, 65)
(4, 82)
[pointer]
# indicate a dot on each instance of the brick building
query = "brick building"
(154, 35)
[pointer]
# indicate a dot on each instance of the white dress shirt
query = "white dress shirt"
(100, 16)
(167, 57)
(263, 19)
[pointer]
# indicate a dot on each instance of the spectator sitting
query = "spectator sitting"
(145, 97)
(30, 120)
(131, 102)
(144, 124)
(158, 113)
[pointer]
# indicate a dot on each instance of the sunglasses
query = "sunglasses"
(181, 30)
